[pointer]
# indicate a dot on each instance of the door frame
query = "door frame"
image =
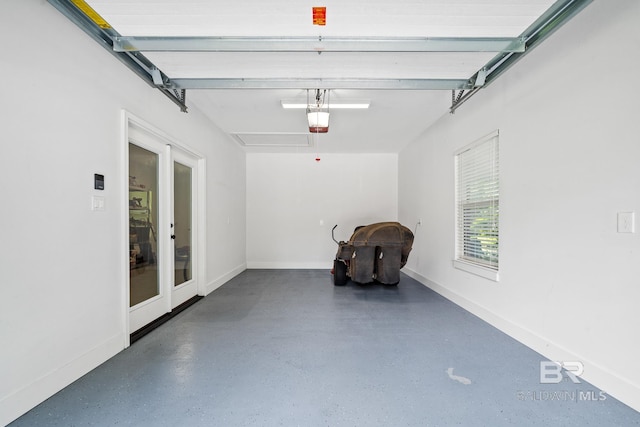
(129, 120)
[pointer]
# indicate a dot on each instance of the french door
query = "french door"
(183, 226)
(162, 216)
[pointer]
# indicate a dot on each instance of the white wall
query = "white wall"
(290, 195)
(61, 296)
(569, 159)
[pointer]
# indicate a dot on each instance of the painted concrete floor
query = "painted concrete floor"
(287, 348)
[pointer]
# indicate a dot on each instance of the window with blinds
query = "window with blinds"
(478, 207)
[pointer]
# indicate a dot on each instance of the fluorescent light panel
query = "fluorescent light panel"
(355, 105)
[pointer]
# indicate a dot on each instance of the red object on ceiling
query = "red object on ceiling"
(319, 15)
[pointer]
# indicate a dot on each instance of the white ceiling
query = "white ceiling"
(395, 118)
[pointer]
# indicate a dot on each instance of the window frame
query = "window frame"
(478, 192)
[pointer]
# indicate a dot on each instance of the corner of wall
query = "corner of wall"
(221, 280)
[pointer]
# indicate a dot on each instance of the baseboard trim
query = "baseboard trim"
(216, 283)
(256, 265)
(610, 382)
(27, 397)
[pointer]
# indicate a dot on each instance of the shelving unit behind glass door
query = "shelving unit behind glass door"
(141, 229)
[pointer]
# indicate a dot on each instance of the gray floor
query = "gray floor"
(286, 348)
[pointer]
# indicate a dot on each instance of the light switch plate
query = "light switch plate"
(97, 203)
(626, 222)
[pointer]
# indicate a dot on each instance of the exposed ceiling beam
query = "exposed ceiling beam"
(103, 34)
(318, 44)
(128, 50)
(556, 16)
(362, 84)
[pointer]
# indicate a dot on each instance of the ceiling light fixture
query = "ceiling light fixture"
(318, 112)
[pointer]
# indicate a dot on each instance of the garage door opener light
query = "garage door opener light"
(318, 112)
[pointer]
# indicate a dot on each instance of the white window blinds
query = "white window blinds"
(477, 199)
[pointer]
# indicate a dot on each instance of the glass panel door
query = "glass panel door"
(182, 225)
(162, 223)
(143, 220)
(148, 190)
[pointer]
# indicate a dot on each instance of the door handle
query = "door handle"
(173, 236)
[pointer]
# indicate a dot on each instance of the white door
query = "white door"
(162, 216)
(149, 298)
(183, 227)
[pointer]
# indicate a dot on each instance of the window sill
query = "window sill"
(484, 272)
